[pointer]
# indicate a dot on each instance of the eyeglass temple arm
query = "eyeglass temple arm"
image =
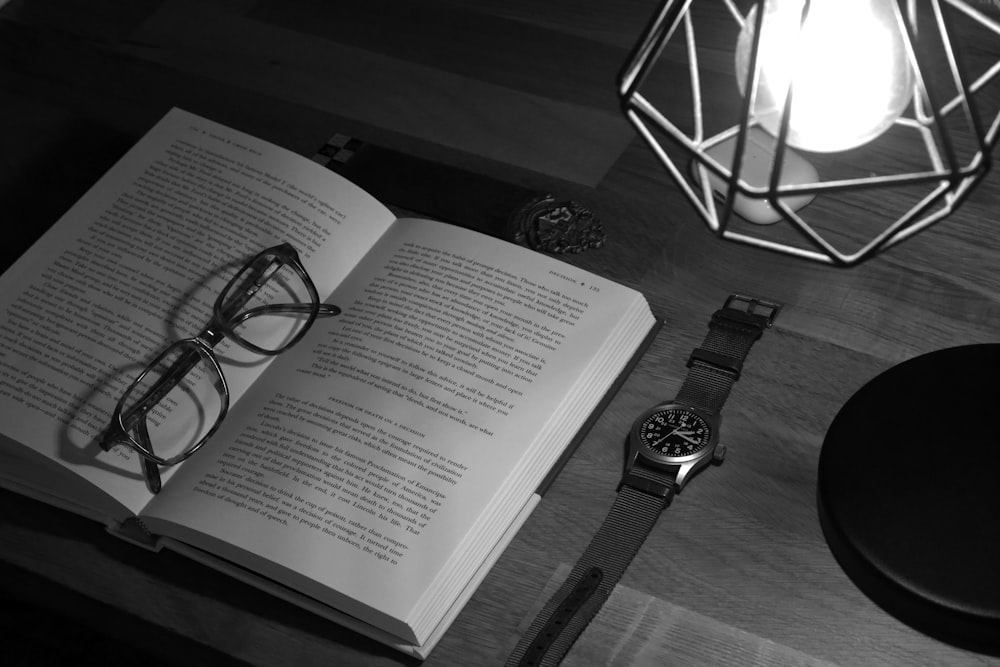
(149, 468)
(324, 310)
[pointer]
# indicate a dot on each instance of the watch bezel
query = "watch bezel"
(713, 421)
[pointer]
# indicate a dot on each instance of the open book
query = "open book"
(372, 473)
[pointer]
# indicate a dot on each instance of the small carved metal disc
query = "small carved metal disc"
(555, 225)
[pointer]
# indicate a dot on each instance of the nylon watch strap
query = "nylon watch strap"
(714, 367)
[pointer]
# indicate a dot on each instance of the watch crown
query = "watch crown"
(719, 455)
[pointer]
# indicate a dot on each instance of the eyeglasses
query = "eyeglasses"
(178, 402)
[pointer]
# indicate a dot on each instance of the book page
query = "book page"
(138, 262)
(378, 464)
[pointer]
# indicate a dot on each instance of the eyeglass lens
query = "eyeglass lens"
(180, 399)
(268, 305)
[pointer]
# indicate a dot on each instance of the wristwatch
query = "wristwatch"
(667, 446)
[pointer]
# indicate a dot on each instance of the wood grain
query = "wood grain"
(520, 90)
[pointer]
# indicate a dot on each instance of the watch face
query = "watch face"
(674, 432)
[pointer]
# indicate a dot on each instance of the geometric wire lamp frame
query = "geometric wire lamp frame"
(834, 207)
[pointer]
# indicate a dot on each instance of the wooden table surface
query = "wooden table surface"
(522, 90)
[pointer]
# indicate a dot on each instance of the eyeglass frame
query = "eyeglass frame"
(225, 317)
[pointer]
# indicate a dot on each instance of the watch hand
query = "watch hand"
(684, 434)
(659, 440)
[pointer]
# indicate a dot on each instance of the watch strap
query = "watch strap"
(716, 365)
(595, 574)
(644, 492)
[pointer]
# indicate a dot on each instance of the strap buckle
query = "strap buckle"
(752, 307)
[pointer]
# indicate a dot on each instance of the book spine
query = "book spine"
(134, 530)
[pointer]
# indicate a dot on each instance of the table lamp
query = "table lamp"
(830, 130)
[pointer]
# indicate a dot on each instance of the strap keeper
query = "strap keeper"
(646, 485)
(721, 361)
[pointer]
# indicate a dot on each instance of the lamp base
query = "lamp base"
(909, 493)
(758, 161)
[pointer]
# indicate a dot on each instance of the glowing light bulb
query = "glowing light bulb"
(846, 64)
